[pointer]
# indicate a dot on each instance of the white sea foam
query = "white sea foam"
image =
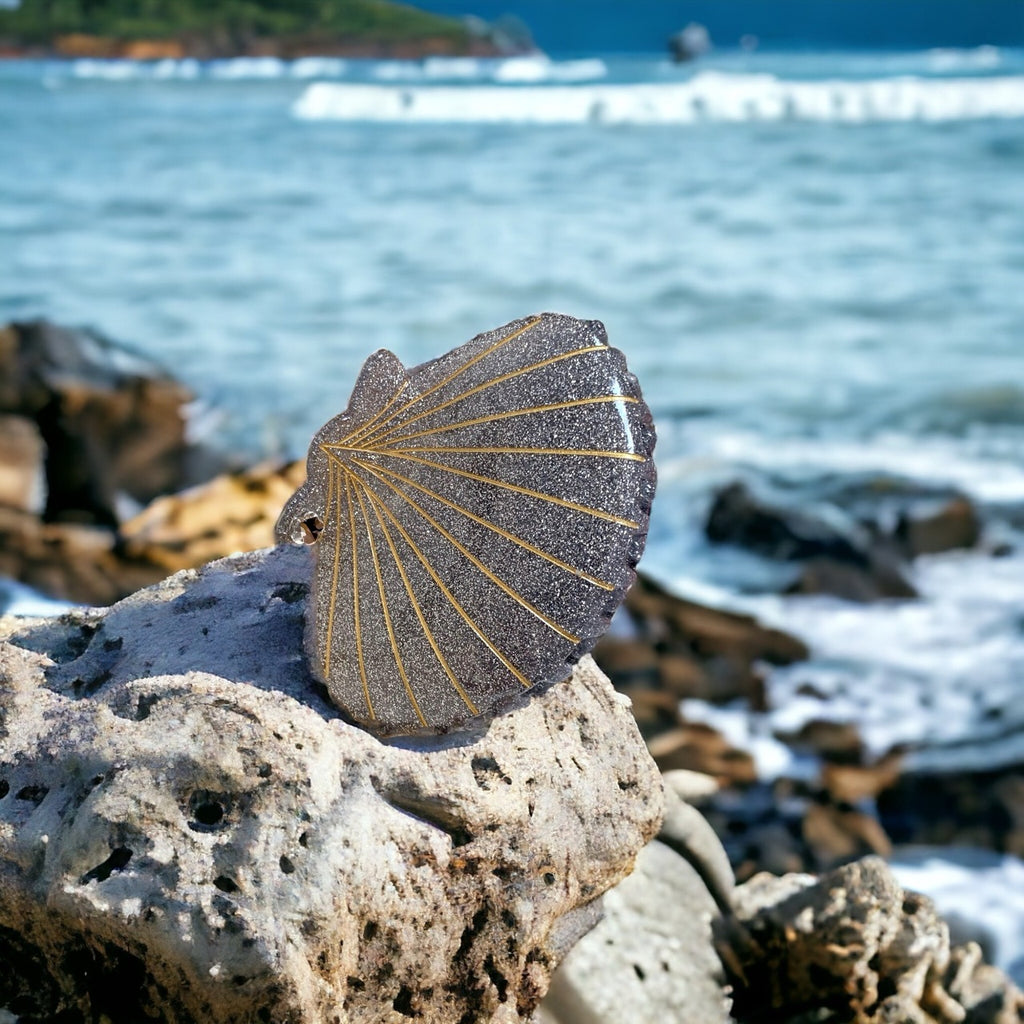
(538, 68)
(980, 894)
(980, 58)
(188, 68)
(941, 673)
(531, 69)
(111, 70)
(248, 67)
(233, 69)
(17, 599)
(709, 96)
(928, 459)
(318, 67)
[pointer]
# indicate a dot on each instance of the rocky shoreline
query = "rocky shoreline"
(103, 491)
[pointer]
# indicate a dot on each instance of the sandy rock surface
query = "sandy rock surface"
(188, 831)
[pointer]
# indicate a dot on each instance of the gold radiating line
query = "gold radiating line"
(355, 599)
(333, 499)
(445, 450)
(387, 613)
(497, 529)
(382, 438)
(452, 599)
(572, 404)
(496, 580)
(465, 366)
(361, 430)
(596, 512)
(374, 502)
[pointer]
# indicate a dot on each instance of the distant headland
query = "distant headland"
(245, 28)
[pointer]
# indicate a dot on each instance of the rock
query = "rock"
(69, 561)
(112, 421)
(700, 748)
(679, 647)
(233, 512)
(842, 556)
(881, 578)
(689, 43)
(940, 527)
(189, 831)
(98, 566)
(857, 945)
(22, 475)
(836, 834)
(655, 711)
(852, 783)
(738, 516)
(838, 742)
(650, 957)
(690, 786)
(707, 631)
(788, 825)
(983, 809)
(687, 831)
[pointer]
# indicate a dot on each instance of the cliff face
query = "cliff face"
(188, 28)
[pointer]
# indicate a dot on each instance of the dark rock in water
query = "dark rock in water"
(856, 946)
(916, 518)
(739, 517)
(945, 527)
(675, 649)
(675, 623)
(689, 43)
(980, 809)
(111, 421)
(882, 578)
(839, 742)
(789, 825)
(854, 783)
(842, 556)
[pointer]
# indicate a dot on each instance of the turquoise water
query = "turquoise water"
(815, 264)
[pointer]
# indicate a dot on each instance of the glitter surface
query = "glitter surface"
(477, 521)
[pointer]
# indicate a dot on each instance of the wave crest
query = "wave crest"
(709, 96)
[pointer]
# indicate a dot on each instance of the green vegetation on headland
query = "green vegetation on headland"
(203, 29)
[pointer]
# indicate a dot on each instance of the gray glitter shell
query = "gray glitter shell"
(477, 520)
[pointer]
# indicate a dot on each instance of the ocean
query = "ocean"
(814, 263)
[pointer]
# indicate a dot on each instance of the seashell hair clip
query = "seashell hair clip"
(476, 521)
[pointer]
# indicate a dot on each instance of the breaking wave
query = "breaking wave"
(709, 96)
(534, 68)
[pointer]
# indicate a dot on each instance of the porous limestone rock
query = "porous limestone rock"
(189, 831)
(854, 946)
